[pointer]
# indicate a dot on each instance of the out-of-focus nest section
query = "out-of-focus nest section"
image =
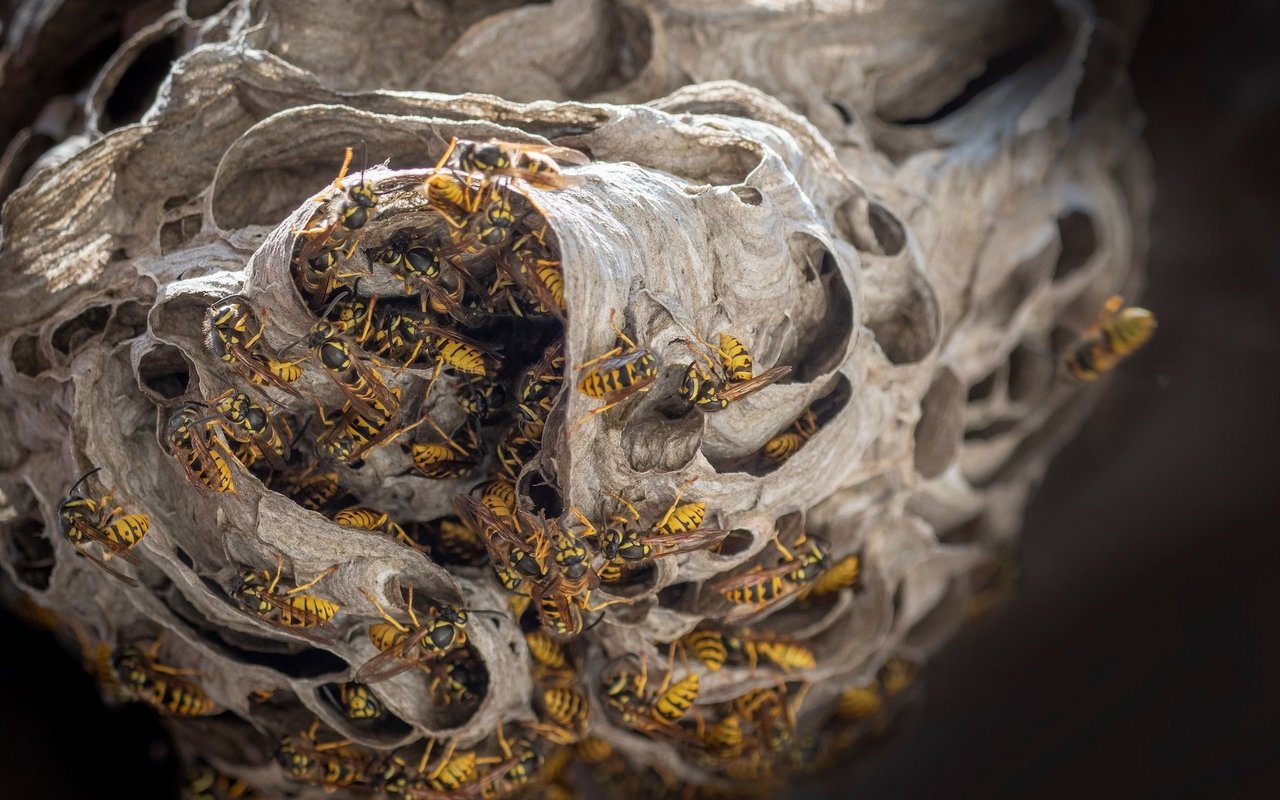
(307, 397)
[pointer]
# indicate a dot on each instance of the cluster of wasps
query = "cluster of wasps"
(480, 314)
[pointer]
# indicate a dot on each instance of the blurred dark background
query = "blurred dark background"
(1139, 657)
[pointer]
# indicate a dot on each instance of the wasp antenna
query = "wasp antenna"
(82, 479)
(596, 622)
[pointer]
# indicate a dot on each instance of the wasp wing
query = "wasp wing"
(673, 544)
(735, 391)
(394, 660)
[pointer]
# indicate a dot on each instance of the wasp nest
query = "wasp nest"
(446, 472)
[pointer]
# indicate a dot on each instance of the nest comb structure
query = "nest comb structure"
(870, 194)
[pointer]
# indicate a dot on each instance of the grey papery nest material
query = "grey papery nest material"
(915, 268)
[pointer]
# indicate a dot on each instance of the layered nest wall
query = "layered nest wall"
(913, 210)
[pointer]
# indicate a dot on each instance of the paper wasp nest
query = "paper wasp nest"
(914, 251)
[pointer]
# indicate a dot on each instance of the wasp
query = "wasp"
(616, 375)
(356, 701)
(482, 398)
(403, 647)
(456, 678)
(514, 450)
(554, 560)
(538, 274)
(539, 387)
(546, 650)
(840, 575)
(249, 423)
(727, 378)
(499, 495)
(206, 783)
(713, 648)
(84, 520)
(861, 702)
(318, 277)
(354, 433)
(233, 333)
(453, 771)
(627, 693)
(310, 487)
(348, 367)
(422, 272)
(785, 443)
(625, 544)
(368, 519)
(332, 765)
(450, 541)
(340, 221)
(202, 456)
(260, 593)
(450, 459)
(567, 707)
(1118, 333)
(537, 165)
(593, 749)
(759, 589)
(404, 335)
(163, 687)
(519, 765)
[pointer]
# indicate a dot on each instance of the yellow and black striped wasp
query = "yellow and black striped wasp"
(554, 562)
(513, 451)
(422, 271)
(658, 711)
(564, 704)
(536, 272)
(616, 375)
(760, 589)
(233, 333)
(456, 456)
(728, 376)
(356, 701)
(625, 544)
(338, 222)
(198, 450)
(165, 688)
(518, 767)
(84, 520)
(260, 593)
(866, 700)
(370, 519)
(405, 646)
(249, 423)
(472, 174)
(206, 783)
(1118, 333)
(786, 442)
(482, 397)
(714, 647)
(350, 369)
(457, 678)
(539, 387)
(450, 775)
(404, 335)
(353, 434)
(537, 165)
(311, 486)
(332, 765)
